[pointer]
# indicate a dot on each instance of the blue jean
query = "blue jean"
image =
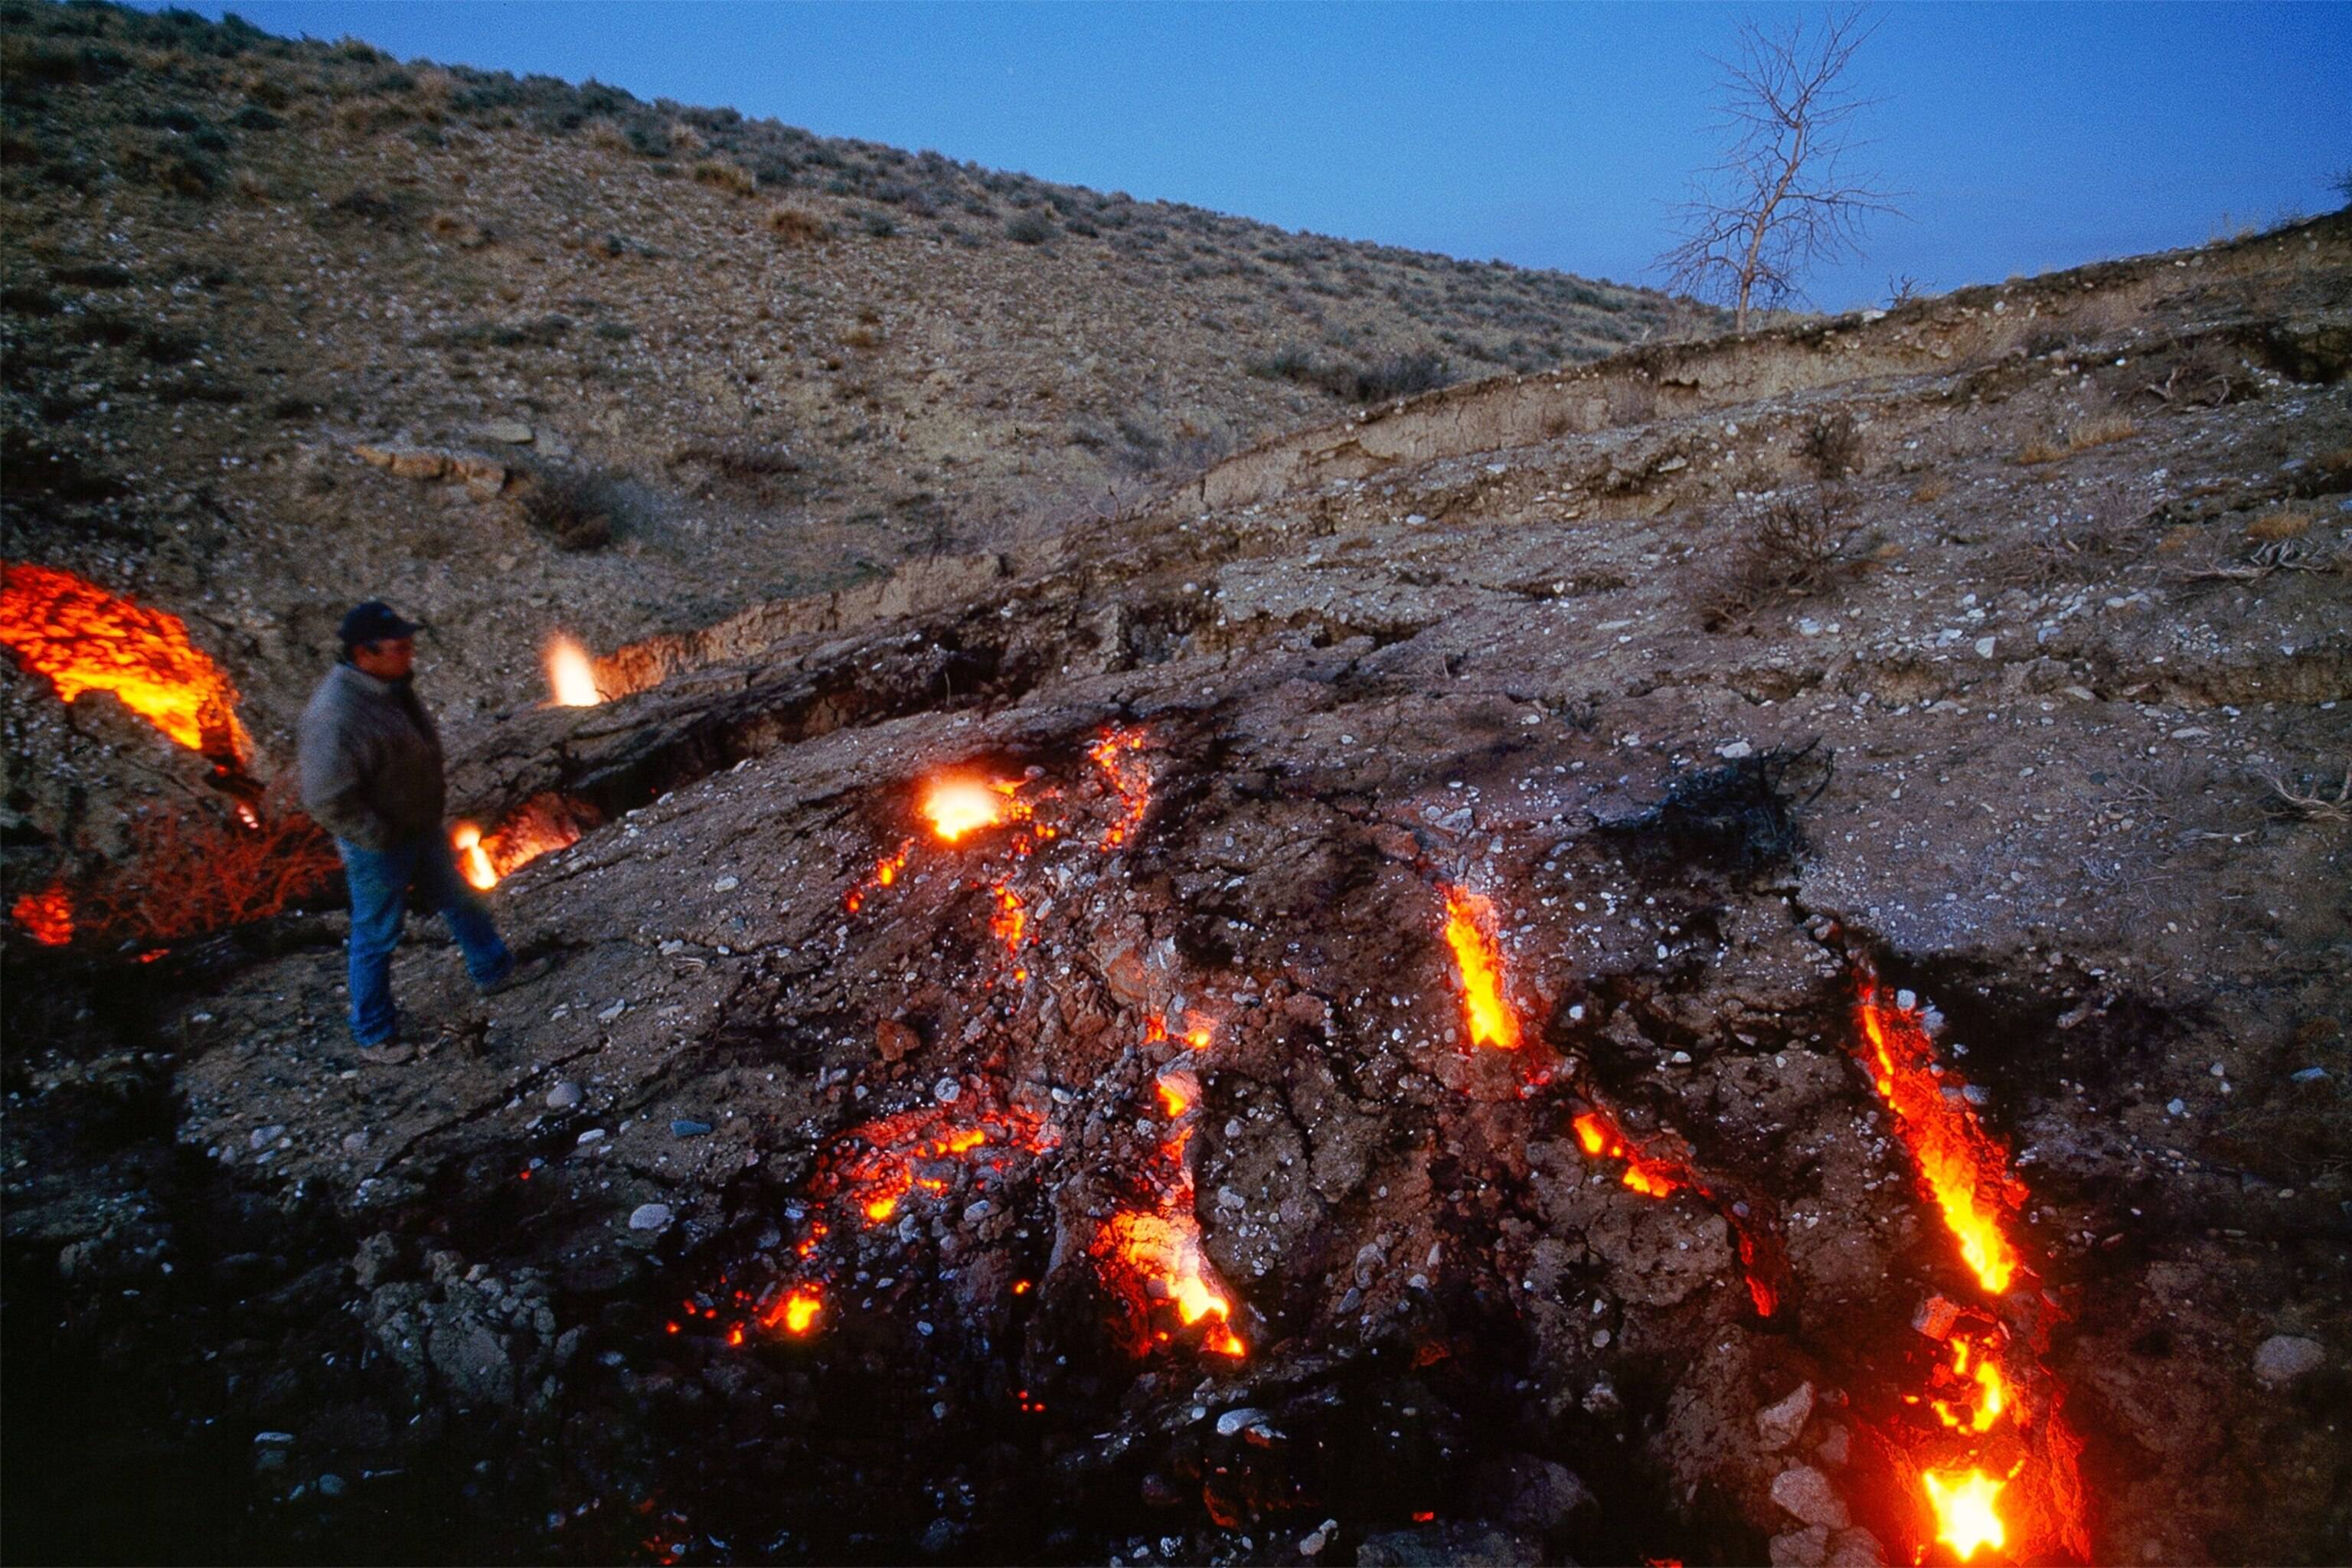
(380, 880)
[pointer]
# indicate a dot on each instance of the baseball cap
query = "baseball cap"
(374, 621)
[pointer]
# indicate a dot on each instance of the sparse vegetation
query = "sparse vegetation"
(720, 175)
(1801, 545)
(795, 225)
(1398, 375)
(2081, 439)
(193, 869)
(1832, 446)
(579, 509)
(2285, 523)
(1781, 199)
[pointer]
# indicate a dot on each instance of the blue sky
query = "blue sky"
(2027, 136)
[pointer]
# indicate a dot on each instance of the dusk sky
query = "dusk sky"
(2026, 137)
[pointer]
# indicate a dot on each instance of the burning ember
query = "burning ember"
(917, 1151)
(1478, 956)
(47, 916)
(541, 825)
(1155, 1255)
(1116, 754)
(1999, 1464)
(1600, 1138)
(886, 874)
(83, 638)
(571, 675)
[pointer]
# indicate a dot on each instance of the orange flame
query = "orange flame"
(1177, 1091)
(47, 916)
(571, 675)
(1156, 1254)
(473, 860)
(1964, 1167)
(1598, 1136)
(1163, 1251)
(958, 807)
(1992, 1391)
(2001, 1462)
(796, 1313)
(83, 638)
(1129, 778)
(1965, 1517)
(1469, 931)
(541, 825)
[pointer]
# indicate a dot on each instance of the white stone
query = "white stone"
(2283, 1358)
(1780, 1423)
(1805, 1492)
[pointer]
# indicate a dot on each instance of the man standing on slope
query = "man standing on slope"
(370, 765)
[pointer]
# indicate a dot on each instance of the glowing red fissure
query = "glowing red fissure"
(81, 638)
(1149, 1256)
(1994, 1464)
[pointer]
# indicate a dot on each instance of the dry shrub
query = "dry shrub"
(764, 472)
(720, 175)
(2099, 433)
(861, 338)
(1801, 545)
(607, 134)
(1832, 446)
(579, 510)
(250, 187)
(195, 870)
(1930, 491)
(2284, 523)
(795, 225)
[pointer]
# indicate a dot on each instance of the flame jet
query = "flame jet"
(2000, 1466)
(1478, 959)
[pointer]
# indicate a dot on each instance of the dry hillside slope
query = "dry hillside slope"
(764, 362)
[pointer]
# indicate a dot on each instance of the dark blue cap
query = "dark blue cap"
(374, 621)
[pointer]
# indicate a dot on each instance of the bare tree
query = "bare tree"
(1780, 200)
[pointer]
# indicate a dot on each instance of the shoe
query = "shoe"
(524, 972)
(388, 1053)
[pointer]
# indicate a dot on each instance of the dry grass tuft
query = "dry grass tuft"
(2284, 523)
(2100, 433)
(795, 225)
(720, 175)
(1930, 491)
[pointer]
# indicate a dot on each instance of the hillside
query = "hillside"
(767, 362)
(1736, 952)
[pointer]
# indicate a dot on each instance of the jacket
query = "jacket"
(371, 761)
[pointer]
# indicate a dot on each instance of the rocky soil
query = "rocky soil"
(1999, 643)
